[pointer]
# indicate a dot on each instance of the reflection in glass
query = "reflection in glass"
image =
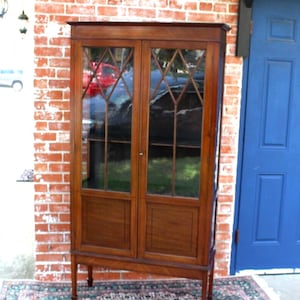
(160, 170)
(107, 85)
(175, 121)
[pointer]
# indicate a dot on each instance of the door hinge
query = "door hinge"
(237, 236)
(249, 3)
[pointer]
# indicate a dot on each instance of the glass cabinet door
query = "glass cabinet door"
(107, 199)
(174, 110)
(107, 93)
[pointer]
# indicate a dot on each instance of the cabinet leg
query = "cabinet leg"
(204, 288)
(211, 283)
(74, 269)
(207, 285)
(90, 279)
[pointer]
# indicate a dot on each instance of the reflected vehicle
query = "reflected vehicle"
(99, 78)
(163, 94)
(11, 78)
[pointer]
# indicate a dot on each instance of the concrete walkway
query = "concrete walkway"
(281, 286)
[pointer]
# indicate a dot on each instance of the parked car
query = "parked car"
(11, 78)
(99, 78)
(119, 100)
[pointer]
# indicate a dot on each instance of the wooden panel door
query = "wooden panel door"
(106, 186)
(173, 176)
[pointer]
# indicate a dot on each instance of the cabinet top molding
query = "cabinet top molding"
(149, 30)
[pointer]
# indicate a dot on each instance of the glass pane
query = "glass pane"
(160, 170)
(187, 172)
(107, 85)
(119, 167)
(175, 121)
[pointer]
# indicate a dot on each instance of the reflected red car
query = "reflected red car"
(102, 76)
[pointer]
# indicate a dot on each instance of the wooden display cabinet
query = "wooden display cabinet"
(146, 101)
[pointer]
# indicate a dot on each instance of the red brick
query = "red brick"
(59, 62)
(139, 12)
(220, 7)
(49, 8)
(61, 188)
(206, 6)
(65, 126)
(111, 11)
(59, 167)
(45, 136)
(48, 51)
(46, 238)
(52, 120)
(176, 15)
(43, 157)
(80, 10)
(41, 227)
(40, 188)
(65, 217)
(190, 5)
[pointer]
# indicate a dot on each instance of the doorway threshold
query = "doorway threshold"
(269, 271)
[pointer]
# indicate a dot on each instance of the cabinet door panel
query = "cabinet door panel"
(171, 230)
(107, 204)
(106, 223)
(172, 118)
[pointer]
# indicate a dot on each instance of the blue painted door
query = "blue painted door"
(269, 199)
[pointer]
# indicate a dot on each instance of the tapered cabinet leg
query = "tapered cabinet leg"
(204, 288)
(211, 282)
(74, 269)
(207, 283)
(90, 279)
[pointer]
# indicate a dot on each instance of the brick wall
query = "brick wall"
(52, 118)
